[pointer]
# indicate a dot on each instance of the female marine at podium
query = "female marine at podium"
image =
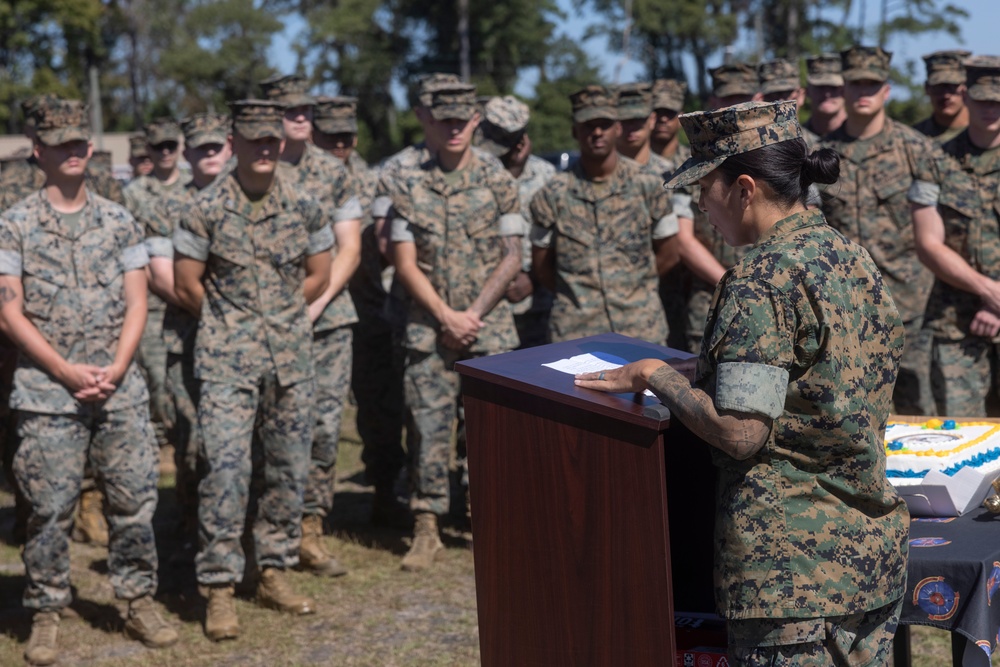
(792, 391)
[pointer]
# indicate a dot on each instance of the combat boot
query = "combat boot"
(42, 648)
(89, 525)
(145, 624)
(313, 556)
(426, 543)
(220, 615)
(274, 592)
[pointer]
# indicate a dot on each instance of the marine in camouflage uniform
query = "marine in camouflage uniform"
(803, 336)
(881, 178)
(76, 276)
(945, 86)
(594, 238)
(162, 140)
(732, 83)
(205, 134)
(964, 367)
(311, 170)
(253, 355)
(455, 231)
(503, 133)
(138, 156)
(825, 90)
(376, 370)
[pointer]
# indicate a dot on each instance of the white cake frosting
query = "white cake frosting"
(913, 450)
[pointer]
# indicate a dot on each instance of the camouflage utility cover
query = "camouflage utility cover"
(74, 293)
(983, 78)
(733, 79)
(291, 90)
(635, 101)
(865, 63)
(257, 119)
(946, 67)
(778, 76)
(803, 331)
(336, 115)
(61, 121)
(669, 94)
(594, 102)
(741, 128)
(824, 70)
(161, 130)
(205, 128)
(253, 319)
(453, 101)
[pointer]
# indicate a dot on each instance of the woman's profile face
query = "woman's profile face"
(721, 201)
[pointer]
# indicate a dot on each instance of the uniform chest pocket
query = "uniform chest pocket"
(50, 260)
(232, 247)
(480, 211)
(39, 296)
(289, 245)
(891, 195)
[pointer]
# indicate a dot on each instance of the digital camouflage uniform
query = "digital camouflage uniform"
(325, 179)
(253, 355)
(802, 331)
(159, 216)
(964, 366)
(943, 67)
(72, 272)
(505, 120)
(456, 222)
(152, 354)
(880, 178)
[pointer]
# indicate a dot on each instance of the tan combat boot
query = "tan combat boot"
(313, 556)
(89, 525)
(220, 617)
(42, 648)
(145, 624)
(426, 543)
(274, 592)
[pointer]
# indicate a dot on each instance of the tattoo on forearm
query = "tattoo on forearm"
(7, 294)
(738, 436)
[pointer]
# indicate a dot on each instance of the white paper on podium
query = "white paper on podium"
(586, 363)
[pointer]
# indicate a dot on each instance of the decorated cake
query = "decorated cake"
(913, 450)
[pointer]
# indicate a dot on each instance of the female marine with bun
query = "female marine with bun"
(792, 390)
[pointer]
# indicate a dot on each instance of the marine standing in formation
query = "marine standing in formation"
(251, 254)
(73, 300)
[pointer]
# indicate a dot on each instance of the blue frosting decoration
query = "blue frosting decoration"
(975, 461)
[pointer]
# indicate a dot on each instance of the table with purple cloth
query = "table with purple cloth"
(952, 583)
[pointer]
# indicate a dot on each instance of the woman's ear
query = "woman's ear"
(748, 189)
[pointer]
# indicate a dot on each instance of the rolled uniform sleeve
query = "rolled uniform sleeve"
(348, 205)
(154, 216)
(11, 263)
(191, 235)
(401, 232)
(511, 224)
(135, 257)
(683, 204)
(752, 349)
(543, 219)
(320, 240)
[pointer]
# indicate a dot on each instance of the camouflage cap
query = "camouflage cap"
(288, 89)
(717, 135)
(504, 122)
(778, 76)
(137, 146)
(946, 67)
(733, 79)
(824, 70)
(205, 128)
(456, 100)
(336, 115)
(61, 121)
(635, 100)
(101, 160)
(162, 129)
(669, 94)
(865, 63)
(593, 102)
(432, 82)
(982, 77)
(31, 107)
(257, 119)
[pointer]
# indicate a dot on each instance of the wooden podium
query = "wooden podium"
(570, 512)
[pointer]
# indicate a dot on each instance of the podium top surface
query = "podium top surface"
(522, 371)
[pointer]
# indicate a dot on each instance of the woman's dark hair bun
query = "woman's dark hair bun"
(822, 166)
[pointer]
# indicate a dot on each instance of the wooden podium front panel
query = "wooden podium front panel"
(571, 541)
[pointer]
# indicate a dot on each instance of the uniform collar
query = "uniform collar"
(49, 219)
(582, 187)
(437, 181)
(236, 201)
(859, 150)
(793, 223)
(974, 159)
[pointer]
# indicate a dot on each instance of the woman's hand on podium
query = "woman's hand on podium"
(630, 377)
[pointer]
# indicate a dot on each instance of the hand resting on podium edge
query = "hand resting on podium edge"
(738, 434)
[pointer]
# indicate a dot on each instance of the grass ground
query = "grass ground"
(376, 616)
